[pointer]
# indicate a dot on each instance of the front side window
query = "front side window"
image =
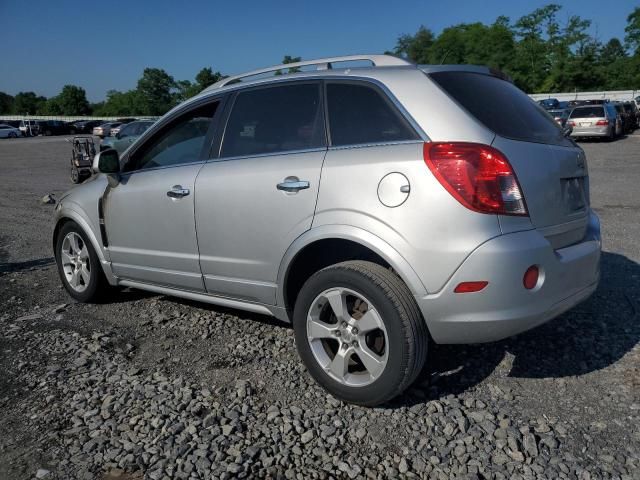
(359, 114)
(178, 142)
(274, 119)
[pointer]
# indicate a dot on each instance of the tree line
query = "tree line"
(538, 51)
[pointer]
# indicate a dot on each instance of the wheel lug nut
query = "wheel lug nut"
(344, 324)
(354, 331)
(336, 333)
(354, 344)
(345, 346)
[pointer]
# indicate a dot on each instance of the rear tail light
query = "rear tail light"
(478, 176)
(602, 123)
(571, 123)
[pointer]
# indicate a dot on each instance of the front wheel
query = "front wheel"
(359, 332)
(78, 265)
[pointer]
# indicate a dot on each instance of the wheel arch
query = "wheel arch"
(338, 243)
(67, 215)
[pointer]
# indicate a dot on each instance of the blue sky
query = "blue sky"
(106, 45)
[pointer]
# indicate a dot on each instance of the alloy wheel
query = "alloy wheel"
(347, 337)
(76, 265)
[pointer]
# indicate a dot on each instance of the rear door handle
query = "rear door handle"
(292, 184)
(178, 192)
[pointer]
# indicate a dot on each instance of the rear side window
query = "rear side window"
(274, 119)
(587, 112)
(359, 114)
(501, 106)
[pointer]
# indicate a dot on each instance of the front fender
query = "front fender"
(357, 235)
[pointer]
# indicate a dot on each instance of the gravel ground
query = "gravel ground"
(154, 387)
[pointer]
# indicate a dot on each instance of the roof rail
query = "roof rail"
(321, 63)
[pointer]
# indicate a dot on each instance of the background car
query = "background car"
(126, 136)
(627, 121)
(7, 131)
(53, 127)
(632, 115)
(85, 126)
(549, 103)
(560, 116)
(104, 130)
(593, 121)
(29, 128)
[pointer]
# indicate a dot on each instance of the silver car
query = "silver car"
(594, 121)
(374, 208)
(104, 130)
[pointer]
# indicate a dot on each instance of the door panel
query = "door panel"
(152, 236)
(245, 223)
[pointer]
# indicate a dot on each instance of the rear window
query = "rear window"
(501, 106)
(587, 112)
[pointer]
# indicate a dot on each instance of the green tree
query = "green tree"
(6, 103)
(289, 59)
(207, 77)
(27, 103)
(72, 100)
(417, 47)
(155, 90)
(632, 31)
(120, 104)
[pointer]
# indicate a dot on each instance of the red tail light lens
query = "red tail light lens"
(530, 278)
(602, 123)
(478, 176)
(470, 287)
(571, 123)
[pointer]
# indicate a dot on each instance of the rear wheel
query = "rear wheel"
(359, 332)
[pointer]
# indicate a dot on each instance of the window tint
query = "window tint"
(584, 112)
(359, 114)
(128, 130)
(501, 107)
(178, 142)
(275, 119)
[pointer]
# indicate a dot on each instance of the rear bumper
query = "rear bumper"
(590, 132)
(504, 307)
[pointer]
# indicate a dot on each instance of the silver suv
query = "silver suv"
(373, 207)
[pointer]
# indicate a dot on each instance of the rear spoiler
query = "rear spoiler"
(467, 68)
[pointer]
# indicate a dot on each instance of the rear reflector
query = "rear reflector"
(478, 176)
(470, 287)
(530, 278)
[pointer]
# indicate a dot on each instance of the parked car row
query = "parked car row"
(594, 118)
(32, 128)
(126, 134)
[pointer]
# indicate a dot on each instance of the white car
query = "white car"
(7, 131)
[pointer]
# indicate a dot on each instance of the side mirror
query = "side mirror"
(107, 162)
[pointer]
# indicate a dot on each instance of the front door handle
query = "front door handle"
(293, 184)
(178, 192)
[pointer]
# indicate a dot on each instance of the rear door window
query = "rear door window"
(588, 112)
(501, 107)
(275, 119)
(359, 114)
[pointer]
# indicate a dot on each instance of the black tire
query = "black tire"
(47, 133)
(13, 135)
(407, 333)
(98, 288)
(75, 175)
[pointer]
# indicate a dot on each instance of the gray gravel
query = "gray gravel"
(154, 387)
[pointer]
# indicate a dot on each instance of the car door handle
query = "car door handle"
(178, 192)
(292, 185)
